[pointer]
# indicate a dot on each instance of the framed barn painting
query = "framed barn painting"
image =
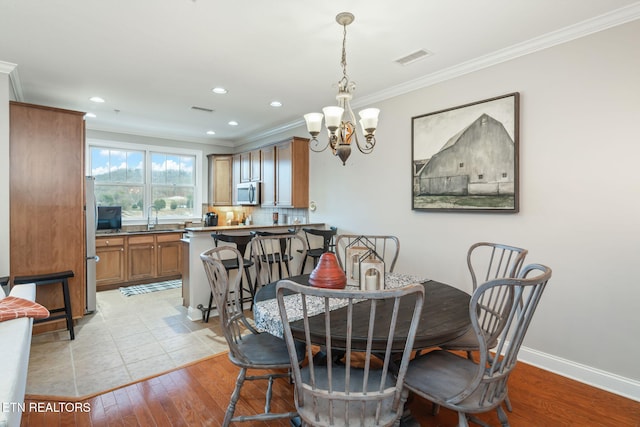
(465, 159)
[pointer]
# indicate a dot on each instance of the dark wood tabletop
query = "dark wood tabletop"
(445, 316)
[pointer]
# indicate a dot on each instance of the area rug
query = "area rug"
(151, 287)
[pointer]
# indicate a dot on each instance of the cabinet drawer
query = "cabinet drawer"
(168, 237)
(140, 240)
(112, 241)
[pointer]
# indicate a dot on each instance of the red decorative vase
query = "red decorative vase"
(328, 273)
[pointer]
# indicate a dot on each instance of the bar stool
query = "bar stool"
(47, 279)
(241, 241)
(328, 244)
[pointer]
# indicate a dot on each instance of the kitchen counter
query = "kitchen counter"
(251, 227)
(195, 287)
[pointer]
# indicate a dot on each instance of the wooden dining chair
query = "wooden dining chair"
(501, 311)
(366, 387)
(387, 247)
(273, 257)
(487, 261)
(248, 348)
(241, 241)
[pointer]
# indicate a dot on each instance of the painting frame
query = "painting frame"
(466, 158)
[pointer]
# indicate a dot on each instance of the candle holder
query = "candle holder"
(371, 272)
(353, 254)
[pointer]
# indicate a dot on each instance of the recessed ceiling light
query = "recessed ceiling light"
(276, 104)
(219, 90)
(89, 115)
(210, 132)
(233, 123)
(96, 99)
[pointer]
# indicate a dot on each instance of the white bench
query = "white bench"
(15, 336)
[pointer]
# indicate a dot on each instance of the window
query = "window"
(140, 178)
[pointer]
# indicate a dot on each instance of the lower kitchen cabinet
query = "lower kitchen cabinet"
(169, 252)
(141, 259)
(111, 267)
(138, 258)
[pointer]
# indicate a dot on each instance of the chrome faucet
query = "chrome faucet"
(149, 212)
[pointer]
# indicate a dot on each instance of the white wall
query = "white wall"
(580, 198)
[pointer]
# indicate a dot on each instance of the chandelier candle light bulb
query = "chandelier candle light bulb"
(340, 120)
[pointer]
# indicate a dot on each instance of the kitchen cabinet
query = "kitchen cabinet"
(250, 168)
(220, 176)
(235, 177)
(141, 257)
(111, 267)
(137, 258)
(285, 174)
(269, 176)
(46, 193)
(169, 254)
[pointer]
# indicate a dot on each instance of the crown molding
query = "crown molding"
(564, 35)
(14, 79)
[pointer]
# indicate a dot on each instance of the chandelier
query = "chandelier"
(340, 120)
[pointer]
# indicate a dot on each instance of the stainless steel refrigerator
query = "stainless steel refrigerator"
(91, 217)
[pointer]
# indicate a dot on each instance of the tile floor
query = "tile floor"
(126, 339)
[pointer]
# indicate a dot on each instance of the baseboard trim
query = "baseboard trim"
(586, 374)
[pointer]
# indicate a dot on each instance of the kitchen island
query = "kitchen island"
(195, 287)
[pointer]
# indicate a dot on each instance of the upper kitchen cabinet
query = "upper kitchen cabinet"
(285, 174)
(235, 178)
(220, 179)
(47, 231)
(250, 167)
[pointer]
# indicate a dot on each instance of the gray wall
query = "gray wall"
(580, 199)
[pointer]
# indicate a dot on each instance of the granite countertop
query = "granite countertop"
(250, 227)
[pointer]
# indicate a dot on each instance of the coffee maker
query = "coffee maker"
(211, 219)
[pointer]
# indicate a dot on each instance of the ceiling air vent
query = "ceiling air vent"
(413, 57)
(206, 110)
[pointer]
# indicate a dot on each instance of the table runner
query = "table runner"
(267, 315)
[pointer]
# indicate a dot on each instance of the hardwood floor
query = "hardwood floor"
(197, 395)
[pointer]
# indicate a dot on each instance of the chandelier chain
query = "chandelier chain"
(344, 51)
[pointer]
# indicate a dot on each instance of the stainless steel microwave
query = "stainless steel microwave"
(248, 193)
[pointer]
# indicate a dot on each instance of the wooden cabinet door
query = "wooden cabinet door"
(220, 175)
(46, 193)
(111, 267)
(256, 167)
(141, 258)
(268, 176)
(284, 169)
(235, 177)
(169, 252)
(245, 167)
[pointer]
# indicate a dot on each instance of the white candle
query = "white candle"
(371, 282)
(355, 270)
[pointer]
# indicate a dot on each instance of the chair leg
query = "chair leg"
(206, 319)
(234, 397)
(462, 420)
(507, 403)
(502, 416)
(304, 262)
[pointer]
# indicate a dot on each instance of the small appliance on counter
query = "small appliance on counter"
(211, 219)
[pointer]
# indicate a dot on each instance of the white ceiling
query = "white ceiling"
(152, 60)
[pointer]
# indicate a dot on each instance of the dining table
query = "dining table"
(444, 317)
